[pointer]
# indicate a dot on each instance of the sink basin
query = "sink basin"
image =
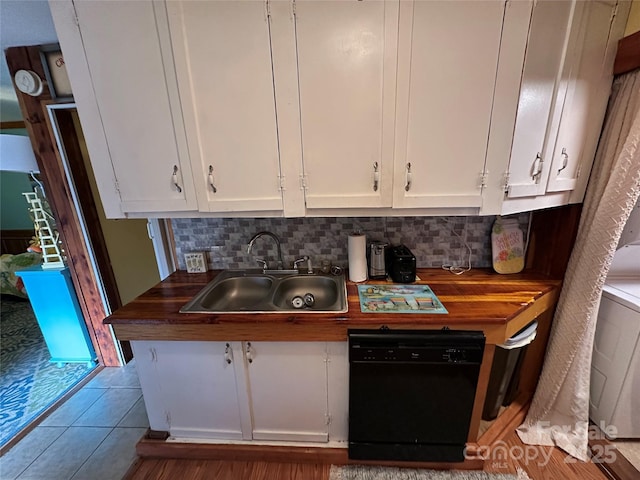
(237, 293)
(242, 291)
(325, 291)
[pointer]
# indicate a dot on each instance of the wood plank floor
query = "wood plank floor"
(538, 468)
(169, 469)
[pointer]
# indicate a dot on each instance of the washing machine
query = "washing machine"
(615, 367)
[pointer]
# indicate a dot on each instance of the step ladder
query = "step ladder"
(52, 258)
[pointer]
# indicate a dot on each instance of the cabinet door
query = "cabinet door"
(447, 62)
(548, 39)
(346, 68)
(134, 87)
(223, 62)
(589, 83)
(338, 385)
(288, 385)
(190, 388)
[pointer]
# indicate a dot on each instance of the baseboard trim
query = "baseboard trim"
(151, 448)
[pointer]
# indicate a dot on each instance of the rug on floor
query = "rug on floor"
(29, 383)
(362, 472)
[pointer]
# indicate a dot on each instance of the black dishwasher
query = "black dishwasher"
(411, 393)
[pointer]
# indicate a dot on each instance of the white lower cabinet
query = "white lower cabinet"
(287, 382)
(338, 390)
(276, 391)
(190, 389)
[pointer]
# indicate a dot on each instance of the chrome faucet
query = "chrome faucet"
(275, 239)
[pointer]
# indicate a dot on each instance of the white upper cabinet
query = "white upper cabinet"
(548, 39)
(589, 76)
(447, 63)
(346, 54)
(306, 107)
(223, 61)
(564, 92)
(125, 89)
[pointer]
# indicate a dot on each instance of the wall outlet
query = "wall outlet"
(196, 262)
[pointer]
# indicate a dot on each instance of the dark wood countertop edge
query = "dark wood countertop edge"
(156, 306)
(496, 332)
(513, 311)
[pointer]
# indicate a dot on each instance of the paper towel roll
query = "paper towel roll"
(357, 251)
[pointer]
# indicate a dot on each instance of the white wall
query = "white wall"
(22, 23)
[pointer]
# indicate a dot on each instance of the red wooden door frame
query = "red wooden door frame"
(59, 196)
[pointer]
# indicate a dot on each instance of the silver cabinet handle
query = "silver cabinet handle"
(565, 160)
(408, 184)
(211, 182)
(174, 177)
(228, 355)
(249, 353)
(376, 176)
(537, 166)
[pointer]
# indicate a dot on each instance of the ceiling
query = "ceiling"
(22, 22)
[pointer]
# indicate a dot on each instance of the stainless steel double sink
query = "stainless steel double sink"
(242, 291)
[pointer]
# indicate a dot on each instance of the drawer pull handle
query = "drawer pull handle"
(249, 353)
(227, 354)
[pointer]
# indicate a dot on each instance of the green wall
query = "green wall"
(14, 212)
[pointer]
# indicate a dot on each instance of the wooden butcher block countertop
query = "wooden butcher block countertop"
(480, 299)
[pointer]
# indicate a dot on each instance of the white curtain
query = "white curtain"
(559, 412)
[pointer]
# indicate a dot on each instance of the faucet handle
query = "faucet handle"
(298, 261)
(305, 258)
(264, 264)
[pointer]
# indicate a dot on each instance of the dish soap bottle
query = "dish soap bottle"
(507, 246)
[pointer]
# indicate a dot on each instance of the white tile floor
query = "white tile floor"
(92, 436)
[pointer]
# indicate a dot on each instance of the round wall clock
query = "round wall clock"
(28, 82)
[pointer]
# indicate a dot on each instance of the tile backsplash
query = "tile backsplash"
(435, 241)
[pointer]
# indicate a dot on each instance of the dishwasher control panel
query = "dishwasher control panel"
(365, 351)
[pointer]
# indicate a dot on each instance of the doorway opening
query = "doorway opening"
(96, 266)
